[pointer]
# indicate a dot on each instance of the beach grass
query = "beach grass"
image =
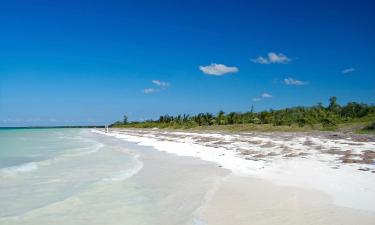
(350, 127)
(368, 129)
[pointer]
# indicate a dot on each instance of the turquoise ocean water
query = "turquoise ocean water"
(45, 168)
(79, 177)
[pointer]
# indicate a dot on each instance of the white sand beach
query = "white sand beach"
(154, 177)
(276, 178)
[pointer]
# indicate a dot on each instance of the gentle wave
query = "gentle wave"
(22, 168)
(123, 175)
(77, 152)
(198, 222)
(33, 166)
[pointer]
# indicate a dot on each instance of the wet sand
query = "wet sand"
(243, 201)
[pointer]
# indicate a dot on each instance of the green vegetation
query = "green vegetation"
(332, 117)
(369, 129)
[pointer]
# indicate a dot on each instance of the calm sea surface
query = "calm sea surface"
(42, 170)
(78, 177)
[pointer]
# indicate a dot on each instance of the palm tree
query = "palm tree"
(208, 119)
(333, 106)
(220, 118)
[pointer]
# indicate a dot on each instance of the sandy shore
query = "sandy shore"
(165, 190)
(338, 166)
(130, 177)
(199, 192)
(244, 200)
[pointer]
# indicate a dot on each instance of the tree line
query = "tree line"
(328, 117)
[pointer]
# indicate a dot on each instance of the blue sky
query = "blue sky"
(90, 62)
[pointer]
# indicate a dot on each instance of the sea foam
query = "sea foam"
(123, 175)
(22, 168)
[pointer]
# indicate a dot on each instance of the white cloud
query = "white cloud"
(348, 70)
(218, 69)
(266, 95)
(278, 58)
(262, 96)
(292, 81)
(161, 83)
(272, 57)
(150, 90)
(260, 60)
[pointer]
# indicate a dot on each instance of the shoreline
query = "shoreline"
(119, 183)
(98, 179)
(349, 185)
(246, 200)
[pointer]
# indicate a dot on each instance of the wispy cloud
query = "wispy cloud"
(161, 83)
(150, 90)
(292, 81)
(262, 96)
(218, 69)
(266, 95)
(272, 58)
(348, 70)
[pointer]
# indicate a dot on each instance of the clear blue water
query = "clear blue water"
(78, 177)
(19, 146)
(43, 167)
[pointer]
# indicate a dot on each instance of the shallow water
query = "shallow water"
(74, 176)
